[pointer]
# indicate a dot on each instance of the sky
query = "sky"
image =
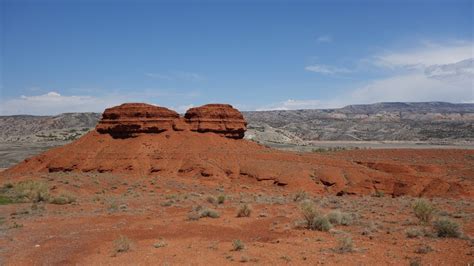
(78, 56)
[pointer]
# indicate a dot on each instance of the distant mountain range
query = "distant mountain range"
(396, 121)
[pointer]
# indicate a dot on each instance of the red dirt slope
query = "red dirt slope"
(182, 152)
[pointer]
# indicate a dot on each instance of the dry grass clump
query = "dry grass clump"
(209, 213)
(313, 218)
(415, 232)
(221, 199)
(340, 218)
(445, 227)
(344, 245)
(237, 245)
(423, 210)
(300, 196)
(199, 212)
(244, 211)
(63, 198)
(122, 244)
(25, 191)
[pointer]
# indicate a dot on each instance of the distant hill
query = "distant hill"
(397, 121)
(67, 126)
(424, 121)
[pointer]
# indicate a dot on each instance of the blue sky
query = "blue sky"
(65, 56)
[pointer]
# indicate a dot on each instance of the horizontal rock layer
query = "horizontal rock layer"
(130, 119)
(222, 119)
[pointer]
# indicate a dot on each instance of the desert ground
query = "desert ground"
(103, 218)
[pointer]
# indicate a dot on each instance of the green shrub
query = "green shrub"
(237, 245)
(209, 213)
(31, 191)
(221, 199)
(244, 211)
(423, 210)
(320, 223)
(445, 227)
(335, 217)
(310, 212)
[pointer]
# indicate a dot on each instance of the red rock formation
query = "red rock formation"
(182, 151)
(129, 119)
(222, 119)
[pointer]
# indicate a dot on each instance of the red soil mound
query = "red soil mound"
(183, 153)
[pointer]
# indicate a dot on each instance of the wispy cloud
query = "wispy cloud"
(55, 103)
(325, 69)
(427, 54)
(179, 75)
(292, 104)
(324, 39)
(427, 72)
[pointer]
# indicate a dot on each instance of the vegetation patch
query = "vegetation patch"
(63, 198)
(122, 244)
(244, 211)
(445, 227)
(24, 191)
(423, 210)
(237, 245)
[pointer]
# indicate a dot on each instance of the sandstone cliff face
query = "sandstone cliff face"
(222, 119)
(129, 119)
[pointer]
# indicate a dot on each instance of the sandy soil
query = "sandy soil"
(153, 213)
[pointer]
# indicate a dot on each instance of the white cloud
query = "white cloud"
(412, 88)
(324, 39)
(426, 55)
(55, 103)
(428, 73)
(292, 104)
(325, 69)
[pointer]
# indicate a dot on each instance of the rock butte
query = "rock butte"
(144, 140)
(130, 119)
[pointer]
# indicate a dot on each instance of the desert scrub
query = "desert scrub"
(320, 223)
(28, 191)
(340, 218)
(344, 245)
(221, 199)
(415, 232)
(244, 211)
(423, 210)
(209, 213)
(445, 227)
(211, 199)
(300, 196)
(237, 245)
(309, 212)
(63, 198)
(314, 220)
(160, 244)
(122, 244)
